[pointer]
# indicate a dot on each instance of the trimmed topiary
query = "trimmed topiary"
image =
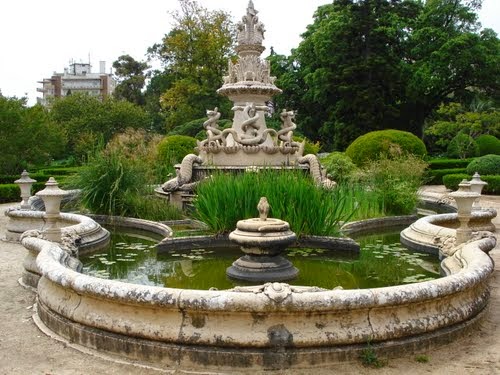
(339, 166)
(462, 146)
(384, 143)
(488, 145)
(172, 149)
(485, 165)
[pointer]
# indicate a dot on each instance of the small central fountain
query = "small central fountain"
(262, 240)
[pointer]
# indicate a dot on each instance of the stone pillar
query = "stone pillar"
(476, 186)
(52, 196)
(25, 183)
(464, 198)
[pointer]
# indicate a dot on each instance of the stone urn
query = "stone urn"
(464, 198)
(262, 240)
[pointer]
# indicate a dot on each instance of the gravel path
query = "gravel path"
(24, 349)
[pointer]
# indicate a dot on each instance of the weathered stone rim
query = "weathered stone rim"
(297, 319)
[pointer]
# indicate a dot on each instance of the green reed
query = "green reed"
(293, 197)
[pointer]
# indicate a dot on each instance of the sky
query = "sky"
(39, 37)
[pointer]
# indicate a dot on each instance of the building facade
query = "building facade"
(77, 78)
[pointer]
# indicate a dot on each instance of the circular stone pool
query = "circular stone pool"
(382, 261)
(270, 326)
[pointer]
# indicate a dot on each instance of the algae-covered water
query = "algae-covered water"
(383, 261)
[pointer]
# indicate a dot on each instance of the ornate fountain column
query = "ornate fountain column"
(250, 86)
(248, 143)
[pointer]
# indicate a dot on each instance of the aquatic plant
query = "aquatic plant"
(226, 198)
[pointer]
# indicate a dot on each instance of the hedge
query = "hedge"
(435, 177)
(451, 181)
(60, 171)
(448, 163)
(9, 179)
(12, 193)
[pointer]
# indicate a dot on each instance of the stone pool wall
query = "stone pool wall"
(271, 326)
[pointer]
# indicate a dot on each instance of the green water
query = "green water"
(383, 261)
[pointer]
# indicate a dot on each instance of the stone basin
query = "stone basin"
(270, 326)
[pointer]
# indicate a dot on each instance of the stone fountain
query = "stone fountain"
(274, 326)
(248, 143)
(262, 240)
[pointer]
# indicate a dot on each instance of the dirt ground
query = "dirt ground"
(24, 349)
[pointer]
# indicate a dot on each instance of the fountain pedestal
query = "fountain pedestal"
(262, 240)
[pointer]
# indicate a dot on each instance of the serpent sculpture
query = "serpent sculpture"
(184, 174)
(287, 128)
(316, 172)
(214, 134)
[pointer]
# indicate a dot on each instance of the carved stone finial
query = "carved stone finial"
(250, 29)
(263, 208)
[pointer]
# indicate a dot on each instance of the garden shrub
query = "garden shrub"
(397, 180)
(488, 144)
(485, 165)
(435, 177)
(339, 166)
(172, 149)
(462, 146)
(310, 147)
(117, 180)
(384, 143)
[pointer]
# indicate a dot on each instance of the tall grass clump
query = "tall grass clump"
(117, 179)
(226, 198)
(363, 202)
(396, 181)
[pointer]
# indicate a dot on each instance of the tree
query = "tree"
(452, 119)
(366, 65)
(87, 119)
(449, 60)
(349, 66)
(27, 136)
(194, 55)
(131, 77)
